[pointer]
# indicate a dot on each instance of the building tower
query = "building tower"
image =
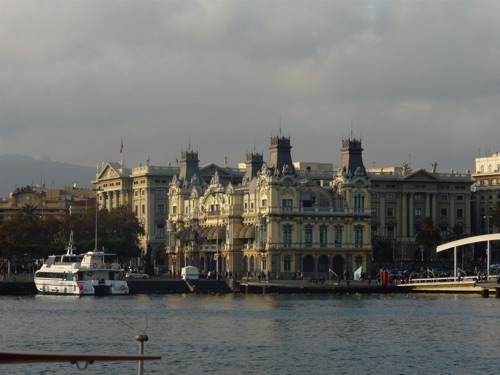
(280, 159)
(189, 165)
(253, 164)
(352, 159)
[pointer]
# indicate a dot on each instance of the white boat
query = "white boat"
(92, 273)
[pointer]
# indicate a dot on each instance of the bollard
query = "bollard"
(141, 339)
(485, 293)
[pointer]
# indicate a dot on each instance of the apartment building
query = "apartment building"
(486, 192)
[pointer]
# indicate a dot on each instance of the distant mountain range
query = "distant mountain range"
(18, 170)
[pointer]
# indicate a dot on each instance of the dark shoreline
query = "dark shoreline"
(161, 285)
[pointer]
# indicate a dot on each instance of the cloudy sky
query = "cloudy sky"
(417, 81)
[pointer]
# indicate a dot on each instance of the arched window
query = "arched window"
(323, 264)
(359, 202)
(308, 263)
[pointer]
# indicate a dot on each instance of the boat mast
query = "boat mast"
(96, 209)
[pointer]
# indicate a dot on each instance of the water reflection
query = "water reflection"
(255, 334)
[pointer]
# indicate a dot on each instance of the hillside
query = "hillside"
(18, 170)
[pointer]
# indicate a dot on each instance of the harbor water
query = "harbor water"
(260, 334)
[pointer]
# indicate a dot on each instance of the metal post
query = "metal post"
(141, 339)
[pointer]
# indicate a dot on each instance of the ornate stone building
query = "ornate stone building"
(276, 221)
(144, 189)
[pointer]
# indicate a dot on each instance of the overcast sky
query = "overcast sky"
(417, 81)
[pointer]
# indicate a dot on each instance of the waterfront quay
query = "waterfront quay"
(23, 285)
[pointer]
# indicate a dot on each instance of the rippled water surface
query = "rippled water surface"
(261, 334)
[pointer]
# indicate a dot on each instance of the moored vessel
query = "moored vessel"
(92, 273)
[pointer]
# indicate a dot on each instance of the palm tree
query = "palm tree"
(427, 235)
(29, 212)
(495, 215)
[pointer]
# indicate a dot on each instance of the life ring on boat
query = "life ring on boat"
(80, 286)
(94, 265)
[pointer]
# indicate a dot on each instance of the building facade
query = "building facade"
(401, 197)
(277, 221)
(47, 202)
(144, 189)
(486, 192)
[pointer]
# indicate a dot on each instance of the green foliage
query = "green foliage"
(26, 233)
(495, 215)
(382, 249)
(427, 235)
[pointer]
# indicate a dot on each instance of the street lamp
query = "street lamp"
(487, 221)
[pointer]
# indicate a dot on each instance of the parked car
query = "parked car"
(441, 272)
(396, 274)
(136, 275)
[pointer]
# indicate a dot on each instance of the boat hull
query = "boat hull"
(89, 287)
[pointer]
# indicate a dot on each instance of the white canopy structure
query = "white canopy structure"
(466, 241)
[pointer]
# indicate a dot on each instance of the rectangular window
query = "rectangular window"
(460, 197)
(264, 203)
(460, 212)
(287, 263)
(390, 231)
(160, 192)
(443, 197)
(287, 236)
(443, 232)
(358, 236)
(338, 235)
(174, 210)
(323, 236)
(160, 230)
(443, 212)
(390, 196)
(418, 212)
(374, 196)
(287, 204)
(143, 209)
(374, 211)
(390, 211)
(160, 208)
(308, 236)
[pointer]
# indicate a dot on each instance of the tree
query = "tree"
(495, 215)
(427, 235)
(118, 231)
(29, 212)
(382, 249)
